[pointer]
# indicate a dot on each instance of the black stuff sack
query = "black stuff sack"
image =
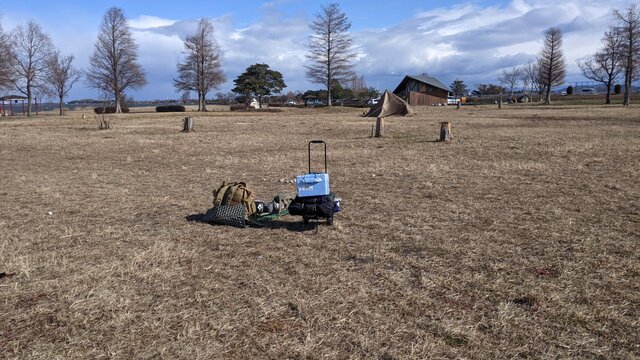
(313, 206)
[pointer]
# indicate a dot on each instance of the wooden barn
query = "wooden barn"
(422, 90)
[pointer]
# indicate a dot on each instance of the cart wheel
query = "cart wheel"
(330, 220)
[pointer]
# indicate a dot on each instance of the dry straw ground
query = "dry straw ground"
(517, 240)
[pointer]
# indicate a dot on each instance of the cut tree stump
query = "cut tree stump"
(188, 125)
(379, 127)
(445, 131)
(104, 124)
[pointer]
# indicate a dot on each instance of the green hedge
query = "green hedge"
(109, 109)
(170, 108)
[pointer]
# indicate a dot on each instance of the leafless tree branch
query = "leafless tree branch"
(114, 64)
(330, 53)
(61, 76)
(30, 50)
(201, 70)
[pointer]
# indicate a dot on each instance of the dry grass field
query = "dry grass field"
(519, 239)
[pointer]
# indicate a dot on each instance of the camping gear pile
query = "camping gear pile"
(234, 204)
(314, 198)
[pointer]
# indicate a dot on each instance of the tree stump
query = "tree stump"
(458, 105)
(379, 127)
(188, 125)
(445, 131)
(104, 124)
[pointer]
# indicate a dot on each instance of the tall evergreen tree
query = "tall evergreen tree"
(458, 87)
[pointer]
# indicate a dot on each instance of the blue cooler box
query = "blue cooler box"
(314, 184)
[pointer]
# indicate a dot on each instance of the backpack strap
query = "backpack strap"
(218, 195)
(228, 194)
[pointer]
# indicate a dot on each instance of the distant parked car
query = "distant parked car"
(372, 101)
(588, 91)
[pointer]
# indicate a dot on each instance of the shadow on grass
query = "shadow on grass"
(200, 218)
(298, 226)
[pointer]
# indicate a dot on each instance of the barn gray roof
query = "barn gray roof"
(429, 80)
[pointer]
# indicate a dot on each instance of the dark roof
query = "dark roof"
(13, 97)
(429, 80)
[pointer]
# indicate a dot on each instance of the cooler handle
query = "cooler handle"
(325, 153)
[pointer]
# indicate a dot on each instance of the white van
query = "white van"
(588, 91)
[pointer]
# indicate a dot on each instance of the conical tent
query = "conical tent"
(390, 104)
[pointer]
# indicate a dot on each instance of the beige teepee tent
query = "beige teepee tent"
(390, 104)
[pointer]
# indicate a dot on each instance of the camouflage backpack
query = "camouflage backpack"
(235, 193)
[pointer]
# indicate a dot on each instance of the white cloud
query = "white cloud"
(466, 41)
(148, 22)
(474, 43)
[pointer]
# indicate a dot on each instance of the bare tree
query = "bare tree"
(5, 60)
(526, 81)
(605, 65)
(31, 49)
(114, 64)
(61, 76)
(358, 86)
(628, 27)
(510, 78)
(201, 70)
(551, 62)
(330, 48)
(532, 76)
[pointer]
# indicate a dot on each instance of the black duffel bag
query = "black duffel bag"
(313, 206)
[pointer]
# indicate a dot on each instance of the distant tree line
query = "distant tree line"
(618, 59)
(30, 64)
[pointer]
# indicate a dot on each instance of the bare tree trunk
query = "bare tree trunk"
(547, 96)
(118, 107)
(61, 105)
(28, 99)
(202, 103)
(627, 87)
(608, 101)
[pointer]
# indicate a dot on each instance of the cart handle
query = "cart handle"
(325, 153)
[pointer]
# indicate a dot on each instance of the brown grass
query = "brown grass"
(517, 240)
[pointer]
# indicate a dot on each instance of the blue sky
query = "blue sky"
(470, 40)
